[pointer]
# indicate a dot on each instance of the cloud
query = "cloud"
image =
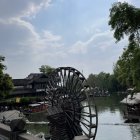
(21, 8)
(96, 26)
(79, 47)
(21, 35)
(26, 47)
(20, 43)
(50, 37)
(96, 54)
(100, 40)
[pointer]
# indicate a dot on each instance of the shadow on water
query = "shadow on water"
(37, 128)
(109, 103)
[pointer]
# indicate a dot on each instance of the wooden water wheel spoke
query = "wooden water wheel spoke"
(85, 126)
(62, 76)
(71, 127)
(73, 86)
(90, 115)
(80, 120)
(69, 117)
(76, 129)
(81, 94)
(86, 115)
(79, 87)
(83, 130)
(81, 114)
(89, 125)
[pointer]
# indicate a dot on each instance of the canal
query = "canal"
(111, 123)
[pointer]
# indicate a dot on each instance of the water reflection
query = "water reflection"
(135, 130)
(111, 123)
(37, 128)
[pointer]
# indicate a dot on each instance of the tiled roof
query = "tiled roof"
(33, 77)
(20, 82)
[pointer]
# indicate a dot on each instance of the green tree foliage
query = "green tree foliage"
(6, 84)
(114, 85)
(123, 69)
(92, 80)
(46, 69)
(125, 20)
(127, 68)
(104, 81)
(136, 69)
(2, 67)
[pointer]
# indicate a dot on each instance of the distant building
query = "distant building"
(33, 85)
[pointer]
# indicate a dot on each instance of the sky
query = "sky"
(57, 33)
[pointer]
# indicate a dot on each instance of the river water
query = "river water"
(111, 123)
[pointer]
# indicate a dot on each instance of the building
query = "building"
(33, 85)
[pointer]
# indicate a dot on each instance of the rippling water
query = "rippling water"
(111, 123)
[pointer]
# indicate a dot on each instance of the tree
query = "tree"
(2, 67)
(127, 68)
(46, 69)
(125, 20)
(92, 80)
(113, 84)
(136, 69)
(104, 81)
(6, 84)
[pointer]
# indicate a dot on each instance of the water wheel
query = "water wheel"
(72, 110)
